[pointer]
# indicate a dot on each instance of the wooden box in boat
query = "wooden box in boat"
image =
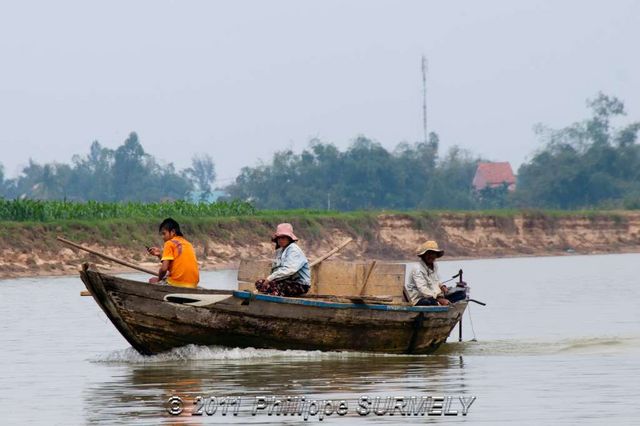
(337, 278)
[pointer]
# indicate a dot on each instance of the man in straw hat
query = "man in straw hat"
(425, 288)
(290, 274)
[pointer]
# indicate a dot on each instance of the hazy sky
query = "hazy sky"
(242, 79)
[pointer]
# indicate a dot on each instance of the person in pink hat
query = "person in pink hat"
(290, 273)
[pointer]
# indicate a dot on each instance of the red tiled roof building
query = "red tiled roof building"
(494, 175)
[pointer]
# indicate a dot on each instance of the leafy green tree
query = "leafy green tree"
(367, 180)
(127, 173)
(365, 176)
(3, 184)
(494, 197)
(588, 164)
(93, 175)
(131, 170)
(31, 181)
(203, 173)
(170, 185)
(450, 187)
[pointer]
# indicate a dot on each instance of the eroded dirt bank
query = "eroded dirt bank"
(31, 249)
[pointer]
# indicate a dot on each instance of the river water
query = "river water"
(557, 343)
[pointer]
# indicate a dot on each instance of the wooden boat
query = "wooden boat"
(157, 318)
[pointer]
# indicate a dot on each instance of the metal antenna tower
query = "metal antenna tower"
(424, 98)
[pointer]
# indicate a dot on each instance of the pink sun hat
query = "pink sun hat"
(284, 230)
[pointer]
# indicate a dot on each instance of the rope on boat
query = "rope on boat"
(471, 322)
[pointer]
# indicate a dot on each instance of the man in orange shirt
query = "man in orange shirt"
(179, 263)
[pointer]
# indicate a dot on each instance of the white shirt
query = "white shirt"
(424, 282)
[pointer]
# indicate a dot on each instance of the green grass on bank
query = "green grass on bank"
(49, 211)
(132, 223)
(33, 211)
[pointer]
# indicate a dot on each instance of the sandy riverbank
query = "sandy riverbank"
(221, 244)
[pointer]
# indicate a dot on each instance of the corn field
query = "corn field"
(47, 211)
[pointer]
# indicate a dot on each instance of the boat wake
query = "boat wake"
(199, 353)
(602, 345)
(587, 345)
(594, 345)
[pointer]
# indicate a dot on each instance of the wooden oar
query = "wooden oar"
(366, 277)
(331, 253)
(105, 256)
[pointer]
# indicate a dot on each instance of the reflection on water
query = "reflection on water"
(552, 347)
(321, 375)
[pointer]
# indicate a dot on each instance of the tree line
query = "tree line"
(591, 163)
(364, 176)
(126, 173)
(588, 164)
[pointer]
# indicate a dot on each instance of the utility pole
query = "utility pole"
(424, 98)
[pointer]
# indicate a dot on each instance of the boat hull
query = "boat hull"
(157, 318)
